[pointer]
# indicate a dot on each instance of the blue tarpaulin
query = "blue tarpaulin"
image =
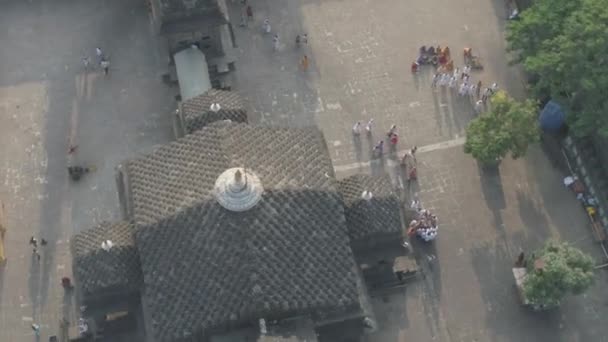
(552, 117)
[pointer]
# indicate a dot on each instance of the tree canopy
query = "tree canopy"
(564, 270)
(563, 44)
(509, 126)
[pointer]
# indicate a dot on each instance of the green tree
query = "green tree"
(557, 270)
(543, 21)
(508, 127)
(564, 45)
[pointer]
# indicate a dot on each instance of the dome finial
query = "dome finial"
(238, 189)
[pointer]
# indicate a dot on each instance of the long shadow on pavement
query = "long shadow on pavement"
(426, 255)
(34, 285)
(533, 218)
(491, 186)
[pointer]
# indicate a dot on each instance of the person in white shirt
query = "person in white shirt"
(486, 94)
(472, 89)
(357, 128)
(478, 106)
(369, 126)
(105, 64)
(266, 26)
(276, 42)
(452, 82)
(435, 80)
(462, 91)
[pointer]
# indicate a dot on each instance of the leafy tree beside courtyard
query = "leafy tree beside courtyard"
(508, 127)
(563, 44)
(555, 271)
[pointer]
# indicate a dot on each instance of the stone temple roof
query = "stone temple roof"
(205, 266)
(197, 112)
(99, 271)
(377, 215)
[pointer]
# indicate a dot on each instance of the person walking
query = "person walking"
(304, 63)
(357, 128)
(393, 138)
(452, 83)
(478, 89)
(100, 55)
(472, 90)
(462, 91)
(369, 125)
(36, 329)
(33, 242)
(379, 148)
(243, 21)
(276, 42)
(86, 61)
(105, 64)
(305, 38)
(410, 164)
(266, 26)
(249, 12)
(414, 67)
(486, 94)
(445, 80)
(435, 79)
(478, 106)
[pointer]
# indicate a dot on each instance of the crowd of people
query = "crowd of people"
(457, 79)
(424, 225)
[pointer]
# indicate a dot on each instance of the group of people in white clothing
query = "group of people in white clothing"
(460, 80)
(425, 224)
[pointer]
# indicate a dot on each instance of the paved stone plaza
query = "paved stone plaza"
(360, 53)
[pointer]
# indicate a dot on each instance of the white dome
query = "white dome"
(237, 189)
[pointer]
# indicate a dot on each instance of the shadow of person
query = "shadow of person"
(416, 78)
(377, 164)
(68, 296)
(34, 282)
(357, 146)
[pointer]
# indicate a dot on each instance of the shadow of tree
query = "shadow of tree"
(491, 186)
(534, 219)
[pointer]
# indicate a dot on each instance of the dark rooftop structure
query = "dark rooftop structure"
(231, 224)
(106, 272)
(188, 15)
(201, 23)
(214, 105)
(372, 209)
